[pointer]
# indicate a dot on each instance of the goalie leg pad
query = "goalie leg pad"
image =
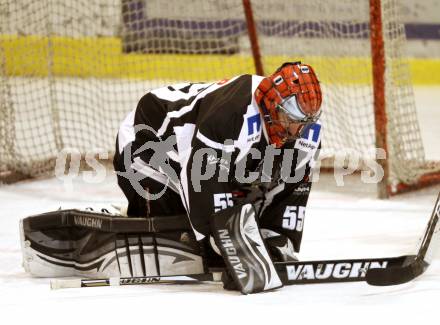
(83, 243)
(237, 235)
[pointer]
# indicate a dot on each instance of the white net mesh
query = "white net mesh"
(406, 153)
(71, 70)
(334, 37)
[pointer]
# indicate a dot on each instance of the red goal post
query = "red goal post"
(70, 73)
(386, 56)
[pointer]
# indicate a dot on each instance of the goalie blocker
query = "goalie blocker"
(247, 259)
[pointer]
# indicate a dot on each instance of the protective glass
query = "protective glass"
(292, 109)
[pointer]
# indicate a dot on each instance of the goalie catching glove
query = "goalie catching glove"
(247, 259)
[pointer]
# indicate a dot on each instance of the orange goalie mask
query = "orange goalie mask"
(293, 90)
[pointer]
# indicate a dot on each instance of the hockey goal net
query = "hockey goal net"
(70, 71)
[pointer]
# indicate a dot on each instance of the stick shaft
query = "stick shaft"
(291, 273)
(119, 281)
(404, 273)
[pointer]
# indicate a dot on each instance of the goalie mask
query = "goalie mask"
(291, 95)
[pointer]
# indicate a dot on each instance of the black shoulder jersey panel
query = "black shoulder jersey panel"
(216, 109)
(153, 107)
(221, 114)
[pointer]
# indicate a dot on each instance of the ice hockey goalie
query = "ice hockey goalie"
(215, 174)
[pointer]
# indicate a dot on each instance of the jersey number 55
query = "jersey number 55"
(293, 217)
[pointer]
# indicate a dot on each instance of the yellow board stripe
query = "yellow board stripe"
(103, 58)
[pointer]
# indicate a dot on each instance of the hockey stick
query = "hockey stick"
(304, 272)
(409, 271)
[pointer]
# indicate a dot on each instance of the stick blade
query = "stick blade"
(395, 275)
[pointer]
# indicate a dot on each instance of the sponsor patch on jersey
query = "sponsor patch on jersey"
(223, 163)
(310, 138)
(302, 188)
(254, 124)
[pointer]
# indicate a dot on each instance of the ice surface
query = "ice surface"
(341, 222)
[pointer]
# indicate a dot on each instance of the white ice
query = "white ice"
(341, 222)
